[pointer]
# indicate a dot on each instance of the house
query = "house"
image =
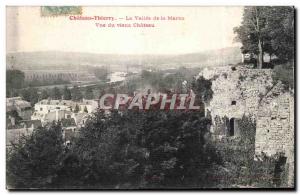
(47, 105)
(90, 105)
(24, 128)
(52, 115)
(56, 110)
(17, 104)
(248, 58)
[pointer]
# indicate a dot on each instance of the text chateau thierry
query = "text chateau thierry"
(110, 18)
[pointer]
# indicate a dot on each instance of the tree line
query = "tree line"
(128, 150)
(15, 79)
(267, 29)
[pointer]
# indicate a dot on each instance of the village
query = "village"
(22, 119)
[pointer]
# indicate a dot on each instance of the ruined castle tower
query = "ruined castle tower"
(238, 92)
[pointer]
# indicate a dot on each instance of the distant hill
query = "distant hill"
(66, 60)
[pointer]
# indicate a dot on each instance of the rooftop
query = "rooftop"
(16, 103)
(66, 102)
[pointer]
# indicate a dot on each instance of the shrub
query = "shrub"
(285, 74)
(35, 160)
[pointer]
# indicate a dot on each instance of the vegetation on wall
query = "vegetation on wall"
(239, 166)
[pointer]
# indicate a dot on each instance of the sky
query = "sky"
(203, 28)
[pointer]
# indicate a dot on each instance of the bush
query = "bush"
(285, 74)
(35, 160)
(238, 167)
(132, 149)
(144, 150)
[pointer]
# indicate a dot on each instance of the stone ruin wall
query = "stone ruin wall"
(275, 130)
(243, 86)
(255, 96)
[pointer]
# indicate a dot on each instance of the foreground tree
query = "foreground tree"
(144, 150)
(132, 149)
(267, 30)
(202, 87)
(35, 160)
(252, 32)
(281, 28)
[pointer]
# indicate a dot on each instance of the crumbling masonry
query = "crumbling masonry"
(239, 91)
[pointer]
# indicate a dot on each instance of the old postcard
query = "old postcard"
(171, 97)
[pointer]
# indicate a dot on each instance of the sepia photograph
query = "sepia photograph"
(150, 98)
